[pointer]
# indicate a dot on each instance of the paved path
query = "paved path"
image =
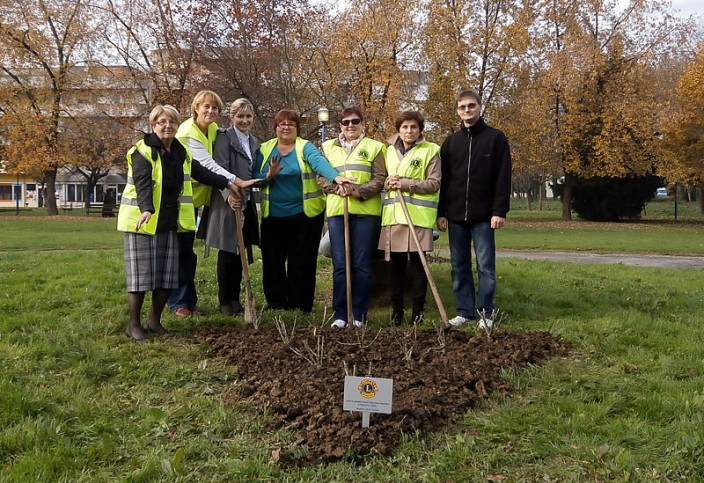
(660, 261)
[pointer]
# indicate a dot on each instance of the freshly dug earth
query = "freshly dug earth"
(431, 387)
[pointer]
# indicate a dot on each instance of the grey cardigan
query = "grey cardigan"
(222, 230)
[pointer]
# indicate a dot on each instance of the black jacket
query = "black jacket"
(476, 174)
(172, 180)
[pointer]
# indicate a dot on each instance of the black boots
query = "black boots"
(397, 317)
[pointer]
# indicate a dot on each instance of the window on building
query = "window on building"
(5, 192)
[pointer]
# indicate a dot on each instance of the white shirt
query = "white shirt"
(244, 141)
(202, 155)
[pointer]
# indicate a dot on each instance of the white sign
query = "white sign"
(368, 394)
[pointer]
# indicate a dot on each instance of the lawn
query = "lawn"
(79, 402)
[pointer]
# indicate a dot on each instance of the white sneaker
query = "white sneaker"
(486, 318)
(458, 320)
(339, 323)
(358, 324)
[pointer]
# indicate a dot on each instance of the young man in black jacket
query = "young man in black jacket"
(474, 198)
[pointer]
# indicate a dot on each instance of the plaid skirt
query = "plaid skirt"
(151, 261)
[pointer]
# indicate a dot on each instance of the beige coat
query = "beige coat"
(397, 238)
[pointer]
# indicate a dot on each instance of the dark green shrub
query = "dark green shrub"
(612, 199)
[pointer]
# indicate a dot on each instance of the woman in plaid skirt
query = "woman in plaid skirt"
(156, 204)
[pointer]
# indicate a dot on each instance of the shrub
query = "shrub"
(612, 199)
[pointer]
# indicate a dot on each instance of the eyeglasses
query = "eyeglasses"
(354, 121)
(284, 125)
(467, 107)
(164, 122)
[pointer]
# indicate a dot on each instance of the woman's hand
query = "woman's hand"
(274, 167)
(341, 180)
(393, 182)
(347, 189)
(143, 218)
(240, 184)
(235, 202)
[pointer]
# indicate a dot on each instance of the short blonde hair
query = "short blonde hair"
(167, 109)
(240, 105)
(205, 96)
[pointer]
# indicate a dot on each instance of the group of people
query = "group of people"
(363, 186)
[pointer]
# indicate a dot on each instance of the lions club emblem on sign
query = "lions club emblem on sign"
(368, 388)
(415, 163)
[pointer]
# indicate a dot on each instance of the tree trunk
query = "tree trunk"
(567, 198)
(541, 192)
(701, 200)
(50, 200)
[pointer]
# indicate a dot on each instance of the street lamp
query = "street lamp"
(323, 118)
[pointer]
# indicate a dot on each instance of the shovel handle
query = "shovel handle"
(423, 260)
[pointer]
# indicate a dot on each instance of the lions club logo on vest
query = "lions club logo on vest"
(363, 154)
(368, 388)
(415, 163)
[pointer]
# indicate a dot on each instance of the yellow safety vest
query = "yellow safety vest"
(129, 208)
(422, 208)
(358, 165)
(189, 129)
(313, 195)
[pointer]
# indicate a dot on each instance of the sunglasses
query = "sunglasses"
(354, 122)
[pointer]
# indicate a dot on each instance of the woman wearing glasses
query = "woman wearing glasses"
(156, 204)
(362, 159)
(292, 204)
(413, 165)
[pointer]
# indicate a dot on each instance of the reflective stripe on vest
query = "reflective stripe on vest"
(313, 195)
(129, 207)
(358, 165)
(423, 209)
(189, 129)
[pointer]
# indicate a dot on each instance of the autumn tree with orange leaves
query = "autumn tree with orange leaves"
(684, 131)
(373, 60)
(39, 43)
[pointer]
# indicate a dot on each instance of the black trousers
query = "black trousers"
(290, 258)
(417, 279)
(229, 277)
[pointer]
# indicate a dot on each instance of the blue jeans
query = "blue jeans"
(185, 295)
(363, 229)
(462, 235)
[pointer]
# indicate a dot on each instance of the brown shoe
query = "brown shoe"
(196, 313)
(226, 310)
(183, 312)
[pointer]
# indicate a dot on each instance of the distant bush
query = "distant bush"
(612, 199)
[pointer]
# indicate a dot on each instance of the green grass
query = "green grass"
(78, 402)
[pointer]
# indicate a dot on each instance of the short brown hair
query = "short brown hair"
(410, 116)
(348, 111)
(287, 115)
(469, 93)
(205, 96)
(167, 109)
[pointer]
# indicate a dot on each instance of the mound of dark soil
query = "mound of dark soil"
(431, 387)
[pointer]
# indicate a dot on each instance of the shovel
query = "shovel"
(424, 261)
(250, 311)
(348, 263)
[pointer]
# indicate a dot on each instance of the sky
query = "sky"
(689, 7)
